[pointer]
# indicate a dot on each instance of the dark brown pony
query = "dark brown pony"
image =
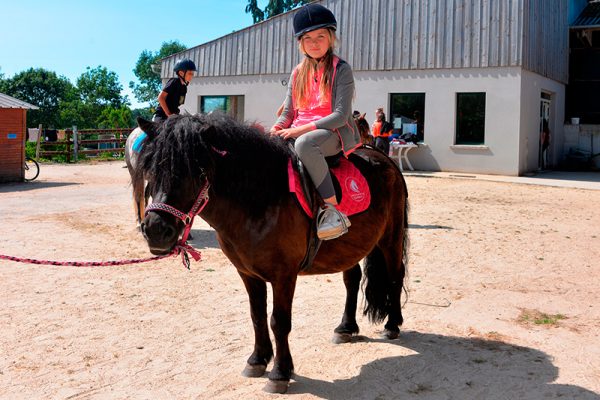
(264, 232)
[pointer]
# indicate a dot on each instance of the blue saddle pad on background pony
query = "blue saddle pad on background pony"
(139, 142)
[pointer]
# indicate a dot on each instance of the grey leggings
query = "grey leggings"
(312, 148)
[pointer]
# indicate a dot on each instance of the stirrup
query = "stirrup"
(336, 230)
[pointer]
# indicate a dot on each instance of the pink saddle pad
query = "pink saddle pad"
(356, 195)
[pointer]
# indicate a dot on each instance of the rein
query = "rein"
(182, 246)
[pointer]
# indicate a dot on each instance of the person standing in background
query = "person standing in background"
(382, 130)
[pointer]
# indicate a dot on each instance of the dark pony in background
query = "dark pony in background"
(264, 232)
(365, 130)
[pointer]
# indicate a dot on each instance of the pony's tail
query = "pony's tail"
(377, 284)
(377, 288)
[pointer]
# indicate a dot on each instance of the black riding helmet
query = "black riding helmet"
(184, 65)
(312, 17)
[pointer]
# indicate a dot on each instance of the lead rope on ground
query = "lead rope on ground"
(181, 249)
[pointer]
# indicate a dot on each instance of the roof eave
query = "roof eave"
(19, 107)
(585, 27)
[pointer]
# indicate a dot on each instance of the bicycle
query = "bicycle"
(32, 169)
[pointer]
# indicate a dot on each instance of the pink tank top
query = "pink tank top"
(316, 109)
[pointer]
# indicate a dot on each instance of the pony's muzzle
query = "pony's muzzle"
(160, 234)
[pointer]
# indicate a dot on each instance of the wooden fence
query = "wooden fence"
(84, 141)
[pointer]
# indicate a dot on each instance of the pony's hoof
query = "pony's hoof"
(339, 338)
(390, 335)
(254, 371)
(279, 387)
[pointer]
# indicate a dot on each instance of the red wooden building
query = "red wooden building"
(13, 125)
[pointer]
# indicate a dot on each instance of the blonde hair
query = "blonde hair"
(306, 71)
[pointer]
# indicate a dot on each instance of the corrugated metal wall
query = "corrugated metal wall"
(424, 34)
(546, 41)
(378, 35)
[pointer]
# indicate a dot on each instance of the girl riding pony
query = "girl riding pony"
(317, 111)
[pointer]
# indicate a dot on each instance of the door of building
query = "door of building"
(544, 148)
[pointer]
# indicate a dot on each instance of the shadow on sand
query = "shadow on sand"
(416, 226)
(447, 367)
(204, 239)
(26, 186)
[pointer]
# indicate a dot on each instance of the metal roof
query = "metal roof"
(393, 35)
(589, 17)
(10, 102)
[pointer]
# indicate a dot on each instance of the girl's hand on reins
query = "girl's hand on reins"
(274, 130)
(293, 133)
(290, 133)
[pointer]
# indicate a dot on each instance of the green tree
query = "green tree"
(97, 89)
(145, 113)
(115, 118)
(41, 88)
(76, 112)
(100, 87)
(150, 83)
(274, 7)
(257, 14)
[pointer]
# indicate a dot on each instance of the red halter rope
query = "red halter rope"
(182, 246)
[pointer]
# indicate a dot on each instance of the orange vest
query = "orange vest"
(377, 130)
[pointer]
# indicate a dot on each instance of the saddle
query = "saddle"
(351, 189)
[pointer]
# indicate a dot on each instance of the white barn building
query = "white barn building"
(482, 73)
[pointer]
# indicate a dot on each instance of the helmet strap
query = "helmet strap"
(186, 83)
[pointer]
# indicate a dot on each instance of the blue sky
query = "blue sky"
(68, 36)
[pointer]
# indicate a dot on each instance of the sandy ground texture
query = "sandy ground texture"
(503, 301)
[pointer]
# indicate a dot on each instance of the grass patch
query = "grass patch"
(536, 317)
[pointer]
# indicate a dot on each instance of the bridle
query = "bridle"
(188, 220)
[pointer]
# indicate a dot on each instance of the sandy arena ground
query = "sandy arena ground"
(487, 261)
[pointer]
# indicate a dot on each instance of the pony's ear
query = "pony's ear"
(149, 127)
(363, 115)
(211, 137)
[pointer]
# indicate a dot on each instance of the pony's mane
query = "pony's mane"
(243, 163)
